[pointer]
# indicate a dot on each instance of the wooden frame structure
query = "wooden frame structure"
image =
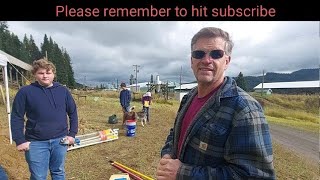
(96, 138)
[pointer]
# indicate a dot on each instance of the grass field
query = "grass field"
(298, 111)
(142, 152)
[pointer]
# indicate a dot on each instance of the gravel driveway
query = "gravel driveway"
(302, 142)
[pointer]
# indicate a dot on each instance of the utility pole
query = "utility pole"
(167, 91)
(262, 82)
(85, 87)
(136, 70)
(117, 84)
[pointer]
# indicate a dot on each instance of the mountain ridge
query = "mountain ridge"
(310, 74)
(306, 74)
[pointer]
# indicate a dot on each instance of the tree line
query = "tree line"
(27, 51)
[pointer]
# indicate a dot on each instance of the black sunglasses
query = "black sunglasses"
(214, 54)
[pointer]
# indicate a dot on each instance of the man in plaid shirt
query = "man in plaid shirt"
(220, 131)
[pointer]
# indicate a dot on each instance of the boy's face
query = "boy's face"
(44, 77)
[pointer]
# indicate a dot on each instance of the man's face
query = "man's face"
(44, 77)
(208, 70)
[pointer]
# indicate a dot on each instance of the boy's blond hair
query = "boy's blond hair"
(44, 64)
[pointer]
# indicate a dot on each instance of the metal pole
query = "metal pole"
(8, 100)
(117, 84)
(167, 90)
(85, 86)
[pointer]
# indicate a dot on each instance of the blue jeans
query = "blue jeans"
(3, 174)
(46, 155)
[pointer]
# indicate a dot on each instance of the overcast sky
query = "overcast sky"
(102, 52)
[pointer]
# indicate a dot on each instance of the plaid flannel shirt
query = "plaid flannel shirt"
(228, 139)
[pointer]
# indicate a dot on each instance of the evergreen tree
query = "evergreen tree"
(15, 48)
(23, 52)
(45, 46)
(5, 36)
(60, 63)
(27, 51)
(4, 26)
(6, 41)
(71, 80)
(241, 82)
(3, 31)
(11, 45)
(26, 45)
(33, 49)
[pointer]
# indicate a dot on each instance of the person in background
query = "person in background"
(146, 102)
(220, 131)
(49, 107)
(125, 99)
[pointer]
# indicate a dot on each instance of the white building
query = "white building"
(290, 87)
(183, 89)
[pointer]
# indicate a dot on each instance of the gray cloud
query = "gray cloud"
(104, 52)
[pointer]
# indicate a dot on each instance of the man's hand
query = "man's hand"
(70, 140)
(168, 168)
(24, 147)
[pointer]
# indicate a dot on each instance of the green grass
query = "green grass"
(298, 111)
(289, 165)
(301, 125)
(291, 114)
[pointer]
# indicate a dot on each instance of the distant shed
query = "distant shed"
(296, 87)
(183, 89)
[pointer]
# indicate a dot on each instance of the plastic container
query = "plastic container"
(131, 127)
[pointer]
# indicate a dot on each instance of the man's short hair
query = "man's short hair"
(44, 64)
(213, 32)
(123, 85)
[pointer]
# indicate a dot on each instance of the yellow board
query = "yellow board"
(107, 131)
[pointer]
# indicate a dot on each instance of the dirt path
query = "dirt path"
(302, 142)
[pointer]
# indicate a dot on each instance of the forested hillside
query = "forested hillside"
(27, 51)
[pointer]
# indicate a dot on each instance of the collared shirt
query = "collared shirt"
(228, 139)
(193, 109)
